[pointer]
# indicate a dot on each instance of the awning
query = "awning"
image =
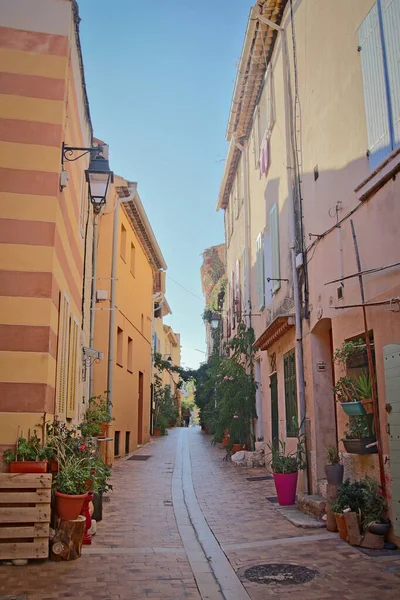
(275, 330)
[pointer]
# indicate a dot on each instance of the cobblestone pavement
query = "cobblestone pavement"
(187, 524)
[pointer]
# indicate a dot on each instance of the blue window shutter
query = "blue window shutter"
(275, 254)
(391, 36)
(376, 108)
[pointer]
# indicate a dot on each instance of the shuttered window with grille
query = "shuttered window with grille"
(289, 367)
(63, 356)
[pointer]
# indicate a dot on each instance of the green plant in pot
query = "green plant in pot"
(333, 469)
(285, 466)
(350, 496)
(364, 390)
(97, 416)
(358, 436)
(346, 394)
(375, 509)
(28, 457)
(70, 485)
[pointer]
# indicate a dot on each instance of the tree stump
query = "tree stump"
(353, 528)
(331, 494)
(68, 538)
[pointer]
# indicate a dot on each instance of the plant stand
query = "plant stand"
(85, 512)
(68, 539)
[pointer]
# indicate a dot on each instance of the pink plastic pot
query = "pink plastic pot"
(286, 488)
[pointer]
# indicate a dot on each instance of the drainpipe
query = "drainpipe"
(94, 291)
(113, 295)
(292, 223)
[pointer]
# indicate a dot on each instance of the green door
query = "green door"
(273, 384)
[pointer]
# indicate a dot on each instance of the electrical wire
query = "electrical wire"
(185, 289)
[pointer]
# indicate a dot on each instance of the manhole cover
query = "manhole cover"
(139, 457)
(263, 478)
(280, 574)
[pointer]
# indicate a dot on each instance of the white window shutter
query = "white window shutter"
(260, 272)
(391, 35)
(376, 110)
(256, 137)
(275, 253)
(267, 267)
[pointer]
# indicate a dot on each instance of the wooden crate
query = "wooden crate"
(24, 515)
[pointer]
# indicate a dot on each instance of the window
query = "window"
(116, 442)
(127, 441)
(260, 271)
(122, 250)
(120, 346)
(289, 369)
(379, 45)
(133, 252)
(275, 254)
(72, 368)
(63, 356)
(130, 355)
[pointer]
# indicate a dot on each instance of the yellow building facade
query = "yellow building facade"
(124, 315)
(45, 233)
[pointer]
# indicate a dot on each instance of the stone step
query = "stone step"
(299, 519)
(312, 504)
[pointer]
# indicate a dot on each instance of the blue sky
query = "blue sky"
(160, 77)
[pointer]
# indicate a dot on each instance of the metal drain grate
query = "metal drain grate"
(262, 478)
(280, 574)
(23, 597)
(139, 457)
(378, 553)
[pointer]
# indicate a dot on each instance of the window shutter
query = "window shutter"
(238, 289)
(391, 36)
(72, 368)
(267, 267)
(260, 271)
(275, 254)
(289, 369)
(63, 355)
(376, 110)
(256, 137)
(233, 299)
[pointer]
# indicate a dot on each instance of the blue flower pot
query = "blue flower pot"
(353, 409)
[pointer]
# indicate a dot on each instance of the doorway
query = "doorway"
(260, 425)
(273, 384)
(140, 410)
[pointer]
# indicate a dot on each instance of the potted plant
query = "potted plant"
(285, 467)
(358, 437)
(347, 395)
(98, 413)
(71, 485)
(375, 509)
(350, 496)
(28, 457)
(333, 469)
(364, 389)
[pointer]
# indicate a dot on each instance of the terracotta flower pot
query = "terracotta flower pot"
(334, 474)
(237, 448)
(68, 506)
(103, 430)
(156, 431)
(368, 405)
(28, 466)
(341, 525)
(53, 466)
(225, 442)
(286, 484)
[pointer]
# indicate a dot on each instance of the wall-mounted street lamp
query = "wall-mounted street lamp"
(98, 175)
(215, 319)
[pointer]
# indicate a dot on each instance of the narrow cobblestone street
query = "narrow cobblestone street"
(186, 524)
